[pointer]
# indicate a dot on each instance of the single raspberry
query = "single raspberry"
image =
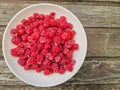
(14, 32)
(16, 40)
(21, 62)
(69, 67)
(47, 72)
(61, 70)
(65, 36)
(38, 69)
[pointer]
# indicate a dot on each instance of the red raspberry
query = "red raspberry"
(61, 70)
(47, 72)
(16, 40)
(35, 36)
(69, 43)
(31, 61)
(65, 36)
(29, 30)
(69, 67)
(42, 16)
(21, 62)
(75, 46)
(49, 56)
(14, 32)
(21, 31)
(25, 37)
(20, 26)
(40, 59)
(38, 69)
(24, 21)
(57, 59)
(73, 33)
(42, 40)
(55, 67)
(65, 51)
(63, 18)
(40, 46)
(70, 54)
(73, 62)
(59, 31)
(55, 49)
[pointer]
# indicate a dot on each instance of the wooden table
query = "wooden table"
(101, 20)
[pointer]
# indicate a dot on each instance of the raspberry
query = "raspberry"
(29, 30)
(75, 46)
(35, 36)
(61, 70)
(24, 21)
(21, 31)
(39, 59)
(70, 54)
(55, 49)
(20, 26)
(25, 37)
(14, 32)
(69, 67)
(57, 59)
(49, 56)
(22, 62)
(47, 72)
(59, 31)
(62, 18)
(69, 43)
(72, 33)
(65, 36)
(65, 51)
(16, 40)
(73, 62)
(44, 43)
(55, 67)
(31, 61)
(47, 62)
(40, 46)
(42, 40)
(38, 69)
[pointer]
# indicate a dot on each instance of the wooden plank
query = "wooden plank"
(90, 16)
(102, 42)
(60, 1)
(26, 87)
(98, 0)
(93, 71)
(98, 87)
(64, 87)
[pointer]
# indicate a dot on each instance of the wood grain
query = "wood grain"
(64, 87)
(98, 87)
(90, 16)
(93, 71)
(27, 1)
(102, 42)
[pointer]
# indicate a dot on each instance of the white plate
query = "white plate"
(38, 79)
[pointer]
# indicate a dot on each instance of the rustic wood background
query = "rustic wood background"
(101, 69)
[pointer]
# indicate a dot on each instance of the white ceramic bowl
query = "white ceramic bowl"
(38, 79)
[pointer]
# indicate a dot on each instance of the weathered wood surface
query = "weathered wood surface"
(101, 69)
(90, 16)
(64, 87)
